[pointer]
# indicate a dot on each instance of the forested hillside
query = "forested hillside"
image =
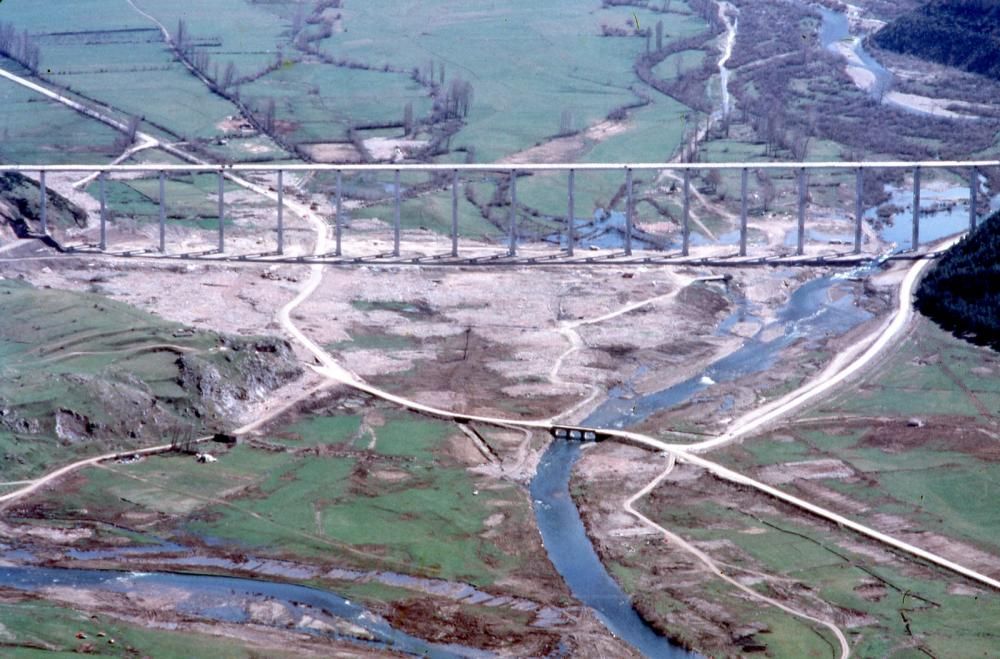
(962, 292)
(960, 33)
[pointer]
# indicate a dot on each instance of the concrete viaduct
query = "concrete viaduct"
(570, 255)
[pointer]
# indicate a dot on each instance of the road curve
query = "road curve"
(811, 390)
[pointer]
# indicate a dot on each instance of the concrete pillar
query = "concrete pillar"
(281, 212)
(454, 213)
(222, 212)
(973, 197)
(859, 207)
(43, 204)
(163, 212)
(395, 216)
(686, 227)
(571, 215)
(801, 244)
(103, 244)
(512, 247)
(629, 204)
(916, 208)
(743, 212)
(339, 220)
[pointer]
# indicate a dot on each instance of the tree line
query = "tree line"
(20, 46)
(960, 33)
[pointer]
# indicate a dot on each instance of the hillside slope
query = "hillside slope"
(81, 374)
(960, 33)
(962, 292)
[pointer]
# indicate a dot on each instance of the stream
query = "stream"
(835, 29)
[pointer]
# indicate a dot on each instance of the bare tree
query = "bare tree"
(566, 122)
(659, 36)
(127, 137)
(270, 109)
(408, 118)
(768, 193)
(881, 88)
(229, 76)
(713, 179)
(459, 98)
(800, 146)
(182, 34)
(20, 47)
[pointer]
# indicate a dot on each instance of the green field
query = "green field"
(941, 621)
(83, 375)
(33, 628)
(119, 57)
(941, 475)
(917, 434)
(192, 201)
(305, 498)
(37, 130)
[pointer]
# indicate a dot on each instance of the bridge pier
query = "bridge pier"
(339, 223)
(628, 211)
(222, 212)
(686, 227)
(163, 213)
(859, 208)
(801, 244)
(43, 204)
(570, 215)
(512, 245)
(916, 208)
(281, 212)
(103, 244)
(743, 212)
(973, 193)
(454, 213)
(396, 217)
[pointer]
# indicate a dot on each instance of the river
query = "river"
(229, 599)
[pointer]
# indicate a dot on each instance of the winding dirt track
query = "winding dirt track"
(706, 560)
(332, 370)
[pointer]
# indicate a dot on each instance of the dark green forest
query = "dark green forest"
(960, 33)
(962, 292)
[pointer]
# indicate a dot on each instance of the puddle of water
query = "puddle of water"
(952, 216)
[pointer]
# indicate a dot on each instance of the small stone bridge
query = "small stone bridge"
(579, 434)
